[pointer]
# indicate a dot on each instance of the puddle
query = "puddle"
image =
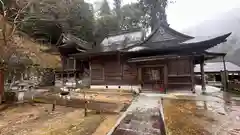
(193, 117)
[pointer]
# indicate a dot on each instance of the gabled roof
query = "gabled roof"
(164, 40)
(166, 33)
(121, 41)
(70, 44)
(70, 41)
(175, 45)
(217, 67)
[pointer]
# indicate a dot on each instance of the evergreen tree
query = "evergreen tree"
(105, 9)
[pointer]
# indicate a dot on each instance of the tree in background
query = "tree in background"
(105, 9)
(117, 9)
(155, 10)
(139, 15)
(47, 19)
(106, 22)
(133, 17)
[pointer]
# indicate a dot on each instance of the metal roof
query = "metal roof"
(217, 67)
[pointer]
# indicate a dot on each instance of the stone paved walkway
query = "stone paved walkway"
(143, 117)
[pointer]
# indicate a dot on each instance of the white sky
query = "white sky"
(185, 13)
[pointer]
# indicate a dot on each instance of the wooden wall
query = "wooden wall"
(111, 71)
(180, 73)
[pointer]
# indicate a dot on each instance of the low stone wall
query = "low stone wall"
(132, 88)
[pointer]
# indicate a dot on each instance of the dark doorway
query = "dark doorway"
(153, 78)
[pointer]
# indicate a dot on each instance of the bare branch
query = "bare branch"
(16, 17)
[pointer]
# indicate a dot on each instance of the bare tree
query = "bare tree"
(8, 28)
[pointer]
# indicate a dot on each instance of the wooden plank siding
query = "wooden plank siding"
(111, 71)
(114, 70)
(180, 73)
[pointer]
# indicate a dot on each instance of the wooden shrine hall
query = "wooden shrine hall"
(72, 69)
(162, 61)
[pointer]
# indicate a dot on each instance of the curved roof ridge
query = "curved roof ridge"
(175, 31)
(187, 37)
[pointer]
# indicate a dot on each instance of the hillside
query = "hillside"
(21, 44)
(222, 23)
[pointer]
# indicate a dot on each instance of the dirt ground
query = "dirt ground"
(38, 119)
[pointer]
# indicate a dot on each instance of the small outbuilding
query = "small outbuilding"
(215, 71)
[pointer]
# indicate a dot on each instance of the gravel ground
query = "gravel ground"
(38, 119)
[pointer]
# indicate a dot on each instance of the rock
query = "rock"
(221, 113)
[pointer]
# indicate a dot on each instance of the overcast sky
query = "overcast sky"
(186, 13)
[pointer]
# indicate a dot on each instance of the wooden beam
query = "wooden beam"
(157, 65)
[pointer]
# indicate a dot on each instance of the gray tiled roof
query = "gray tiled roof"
(121, 41)
(217, 67)
(199, 39)
(68, 39)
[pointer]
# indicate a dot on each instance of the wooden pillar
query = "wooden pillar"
(103, 71)
(75, 64)
(140, 75)
(90, 70)
(203, 75)
(62, 77)
(192, 74)
(165, 78)
(75, 70)
(63, 58)
(225, 75)
(120, 64)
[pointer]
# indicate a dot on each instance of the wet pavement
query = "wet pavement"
(184, 113)
(143, 117)
(216, 113)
